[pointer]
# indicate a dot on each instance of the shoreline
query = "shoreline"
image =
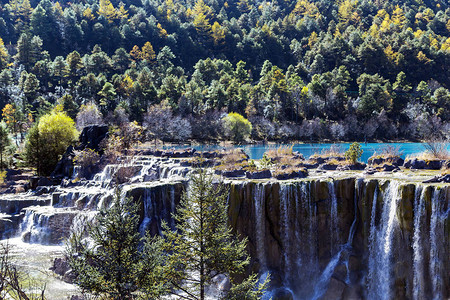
(151, 144)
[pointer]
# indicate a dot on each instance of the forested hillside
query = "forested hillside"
(308, 70)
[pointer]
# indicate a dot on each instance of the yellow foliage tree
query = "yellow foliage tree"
(347, 11)
(147, 52)
(3, 55)
(128, 82)
(374, 30)
(201, 23)
(107, 10)
(87, 13)
(306, 8)
(422, 57)
(200, 8)
(446, 45)
(386, 24)
(312, 40)
(398, 16)
(9, 116)
(218, 33)
(25, 10)
(122, 13)
(135, 53)
(162, 32)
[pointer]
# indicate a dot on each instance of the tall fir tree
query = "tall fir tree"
(203, 245)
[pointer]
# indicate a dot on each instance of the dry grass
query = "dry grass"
(336, 162)
(437, 149)
(426, 155)
(333, 151)
(233, 156)
(390, 151)
(281, 151)
(283, 157)
(233, 159)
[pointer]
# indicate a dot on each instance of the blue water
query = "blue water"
(257, 151)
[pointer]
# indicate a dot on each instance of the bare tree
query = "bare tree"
(12, 279)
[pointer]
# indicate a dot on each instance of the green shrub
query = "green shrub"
(354, 152)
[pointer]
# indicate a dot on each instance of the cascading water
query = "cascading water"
(334, 230)
(259, 201)
(379, 273)
(437, 244)
(284, 202)
(419, 223)
(342, 256)
(148, 212)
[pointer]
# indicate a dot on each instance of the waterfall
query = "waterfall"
(172, 207)
(35, 227)
(284, 203)
(437, 245)
(419, 223)
(310, 234)
(342, 256)
(148, 212)
(380, 268)
(260, 213)
(334, 230)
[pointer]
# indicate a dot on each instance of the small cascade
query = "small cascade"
(34, 227)
(104, 177)
(260, 212)
(148, 212)
(379, 277)
(419, 224)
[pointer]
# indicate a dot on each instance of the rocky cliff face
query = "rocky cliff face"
(335, 239)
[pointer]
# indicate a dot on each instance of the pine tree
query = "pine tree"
(5, 142)
(73, 65)
(203, 246)
(114, 266)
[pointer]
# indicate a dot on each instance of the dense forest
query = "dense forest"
(304, 70)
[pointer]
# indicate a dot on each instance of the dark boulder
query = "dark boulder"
(358, 166)
(291, 175)
(443, 178)
(394, 160)
(420, 164)
(233, 173)
(328, 167)
(262, 174)
(183, 153)
(92, 136)
(37, 181)
(62, 268)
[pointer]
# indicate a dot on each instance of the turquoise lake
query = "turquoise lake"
(257, 151)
